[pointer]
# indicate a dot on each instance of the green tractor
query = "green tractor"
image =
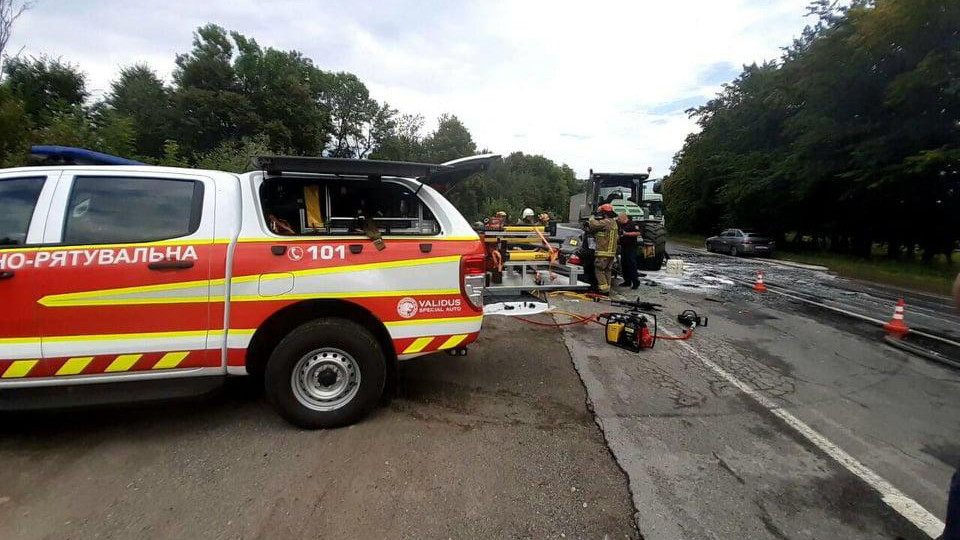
(628, 194)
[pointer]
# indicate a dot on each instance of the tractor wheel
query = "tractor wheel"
(656, 233)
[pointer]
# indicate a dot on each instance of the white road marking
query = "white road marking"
(894, 498)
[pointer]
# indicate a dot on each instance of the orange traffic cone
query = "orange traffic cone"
(759, 286)
(896, 327)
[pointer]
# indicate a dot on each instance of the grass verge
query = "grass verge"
(936, 277)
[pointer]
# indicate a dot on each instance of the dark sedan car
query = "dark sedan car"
(741, 242)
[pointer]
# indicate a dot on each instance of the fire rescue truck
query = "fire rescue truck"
(317, 275)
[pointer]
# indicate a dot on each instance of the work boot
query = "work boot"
(636, 285)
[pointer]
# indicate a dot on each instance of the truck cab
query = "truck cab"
(313, 275)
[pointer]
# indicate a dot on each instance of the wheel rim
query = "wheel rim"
(325, 379)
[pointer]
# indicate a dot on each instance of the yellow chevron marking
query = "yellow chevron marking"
(107, 297)
(74, 366)
(170, 360)
(418, 345)
(453, 341)
(123, 363)
(18, 369)
(411, 322)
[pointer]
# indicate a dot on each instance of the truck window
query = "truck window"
(18, 198)
(334, 206)
(109, 210)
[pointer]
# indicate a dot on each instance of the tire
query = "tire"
(709, 247)
(326, 373)
(734, 252)
(654, 231)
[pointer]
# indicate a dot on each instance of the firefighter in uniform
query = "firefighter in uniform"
(603, 225)
(527, 217)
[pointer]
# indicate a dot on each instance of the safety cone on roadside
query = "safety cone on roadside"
(896, 327)
(759, 286)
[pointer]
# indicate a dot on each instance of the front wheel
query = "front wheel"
(326, 373)
(734, 252)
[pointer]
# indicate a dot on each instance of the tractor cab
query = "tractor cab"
(623, 191)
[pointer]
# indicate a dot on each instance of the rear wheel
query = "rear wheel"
(655, 232)
(326, 373)
(734, 251)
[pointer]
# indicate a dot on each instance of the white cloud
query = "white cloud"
(599, 84)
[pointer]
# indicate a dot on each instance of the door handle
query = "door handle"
(170, 265)
(6, 274)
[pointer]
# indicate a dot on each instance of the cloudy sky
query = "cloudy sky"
(593, 84)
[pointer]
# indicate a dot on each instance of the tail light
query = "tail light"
(574, 259)
(472, 277)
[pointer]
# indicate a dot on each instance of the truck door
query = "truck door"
(125, 291)
(22, 208)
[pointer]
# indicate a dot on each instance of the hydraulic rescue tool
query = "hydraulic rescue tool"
(635, 329)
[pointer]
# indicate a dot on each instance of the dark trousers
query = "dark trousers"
(952, 530)
(628, 263)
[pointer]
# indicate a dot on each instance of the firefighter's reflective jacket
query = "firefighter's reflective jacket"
(605, 231)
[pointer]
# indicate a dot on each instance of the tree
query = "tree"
(207, 118)
(47, 87)
(285, 89)
(359, 123)
(451, 140)
(404, 142)
(101, 130)
(141, 96)
(10, 11)
(209, 65)
(15, 129)
(849, 139)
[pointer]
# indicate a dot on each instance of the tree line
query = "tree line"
(850, 140)
(231, 99)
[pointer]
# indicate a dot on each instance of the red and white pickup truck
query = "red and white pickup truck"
(315, 274)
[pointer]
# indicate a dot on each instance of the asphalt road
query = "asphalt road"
(700, 428)
(498, 444)
(931, 313)
(776, 421)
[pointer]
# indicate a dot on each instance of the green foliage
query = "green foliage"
(102, 131)
(519, 182)
(234, 155)
(450, 141)
(141, 96)
(15, 129)
(205, 118)
(172, 156)
(46, 87)
(851, 138)
(285, 89)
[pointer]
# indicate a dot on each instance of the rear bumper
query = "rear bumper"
(758, 249)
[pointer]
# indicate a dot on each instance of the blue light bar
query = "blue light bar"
(79, 156)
